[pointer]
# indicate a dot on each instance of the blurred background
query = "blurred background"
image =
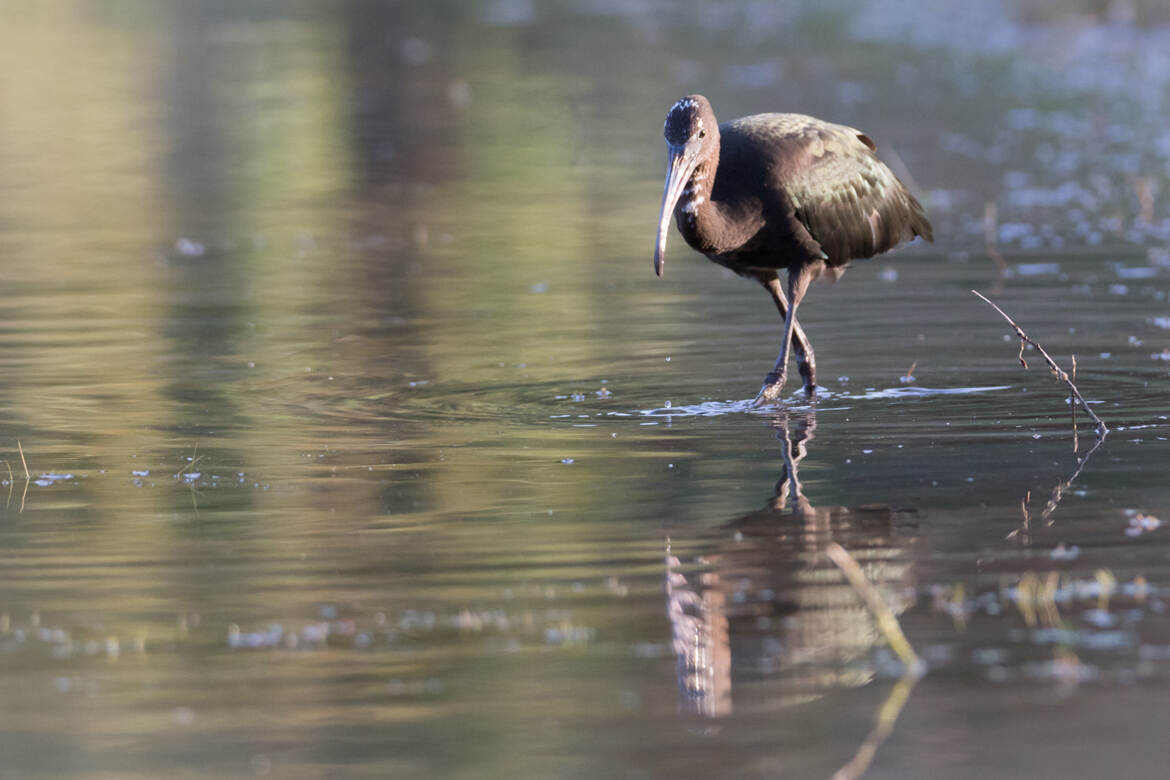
(345, 430)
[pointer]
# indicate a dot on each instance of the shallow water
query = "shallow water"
(362, 441)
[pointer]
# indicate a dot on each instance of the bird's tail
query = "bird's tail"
(919, 224)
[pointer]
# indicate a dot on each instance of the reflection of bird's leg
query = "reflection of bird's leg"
(788, 475)
(804, 434)
(806, 361)
(798, 282)
(793, 450)
(816, 521)
(796, 452)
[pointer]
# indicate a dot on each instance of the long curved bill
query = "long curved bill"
(677, 173)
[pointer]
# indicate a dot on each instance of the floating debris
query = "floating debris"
(1141, 523)
(48, 479)
(188, 248)
(1138, 272)
(1037, 269)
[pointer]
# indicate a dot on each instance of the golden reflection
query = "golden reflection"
(766, 600)
(887, 716)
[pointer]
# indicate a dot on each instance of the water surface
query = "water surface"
(362, 441)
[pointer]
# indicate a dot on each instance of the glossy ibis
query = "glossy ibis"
(774, 192)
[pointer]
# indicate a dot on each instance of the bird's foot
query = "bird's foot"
(808, 377)
(770, 392)
(773, 386)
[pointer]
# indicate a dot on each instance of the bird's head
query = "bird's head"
(692, 136)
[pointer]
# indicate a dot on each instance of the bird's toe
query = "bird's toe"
(769, 393)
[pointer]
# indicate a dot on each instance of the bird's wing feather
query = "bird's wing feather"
(851, 204)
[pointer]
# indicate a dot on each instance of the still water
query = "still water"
(362, 441)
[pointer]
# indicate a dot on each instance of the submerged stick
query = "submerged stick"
(886, 620)
(1057, 371)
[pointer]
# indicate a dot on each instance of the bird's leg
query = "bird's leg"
(806, 361)
(798, 282)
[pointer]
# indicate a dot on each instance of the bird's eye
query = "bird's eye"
(702, 134)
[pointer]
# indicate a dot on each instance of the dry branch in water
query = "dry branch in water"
(1057, 371)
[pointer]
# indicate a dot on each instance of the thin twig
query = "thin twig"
(191, 462)
(1057, 371)
(180, 472)
(886, 620)
(27, 476)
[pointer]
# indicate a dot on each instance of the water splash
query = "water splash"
(800, 402)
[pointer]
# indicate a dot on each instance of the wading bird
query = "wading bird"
(774, 192)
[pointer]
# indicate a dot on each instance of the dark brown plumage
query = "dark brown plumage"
(776, 192)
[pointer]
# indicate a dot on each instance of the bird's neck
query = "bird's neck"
(716, 226)
(697, 216)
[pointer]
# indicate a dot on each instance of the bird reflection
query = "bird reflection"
(763, 603)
